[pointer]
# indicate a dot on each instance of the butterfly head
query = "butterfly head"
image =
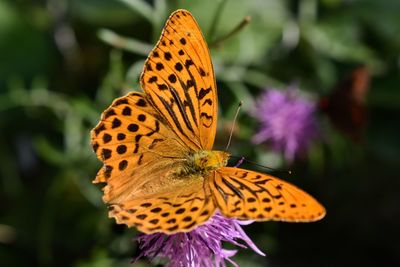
(208, 160)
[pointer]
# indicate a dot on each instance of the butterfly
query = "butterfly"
(159, 168)
(345, 106)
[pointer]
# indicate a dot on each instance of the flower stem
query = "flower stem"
(246, 20)
(216, 18)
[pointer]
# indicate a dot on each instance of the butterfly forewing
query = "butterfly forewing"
(178, 77)
(247, 194)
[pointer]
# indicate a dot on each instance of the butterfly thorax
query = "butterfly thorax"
(208, 160)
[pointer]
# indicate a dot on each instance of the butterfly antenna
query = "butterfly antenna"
(243, 159)
(233, 126)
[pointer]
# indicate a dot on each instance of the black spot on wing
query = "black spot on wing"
(159, 66)
(121, 101)
(203, 92)
(109, 113)
(207, 101)
(99, 129)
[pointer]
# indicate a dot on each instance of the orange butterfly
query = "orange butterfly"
(346, 107)
(160, 171)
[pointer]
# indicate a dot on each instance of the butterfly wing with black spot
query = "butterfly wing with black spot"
(178, 207)
(244, 194)
(179, 79)
(142, 160)
(129, 135)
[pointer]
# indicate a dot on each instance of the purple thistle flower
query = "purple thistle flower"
(200, 247)
(287, 121)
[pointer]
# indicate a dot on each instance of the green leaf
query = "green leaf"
(128, 44)
(142, 7)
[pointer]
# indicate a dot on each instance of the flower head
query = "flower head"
(287, 121)
(200, 247)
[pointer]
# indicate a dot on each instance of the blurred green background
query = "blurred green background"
(62, 62)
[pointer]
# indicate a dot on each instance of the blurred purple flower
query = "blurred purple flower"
(287, 120)
(200, 247)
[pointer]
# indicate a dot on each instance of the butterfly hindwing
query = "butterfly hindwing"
(179, 79)
(247, 194)
(181, 208)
